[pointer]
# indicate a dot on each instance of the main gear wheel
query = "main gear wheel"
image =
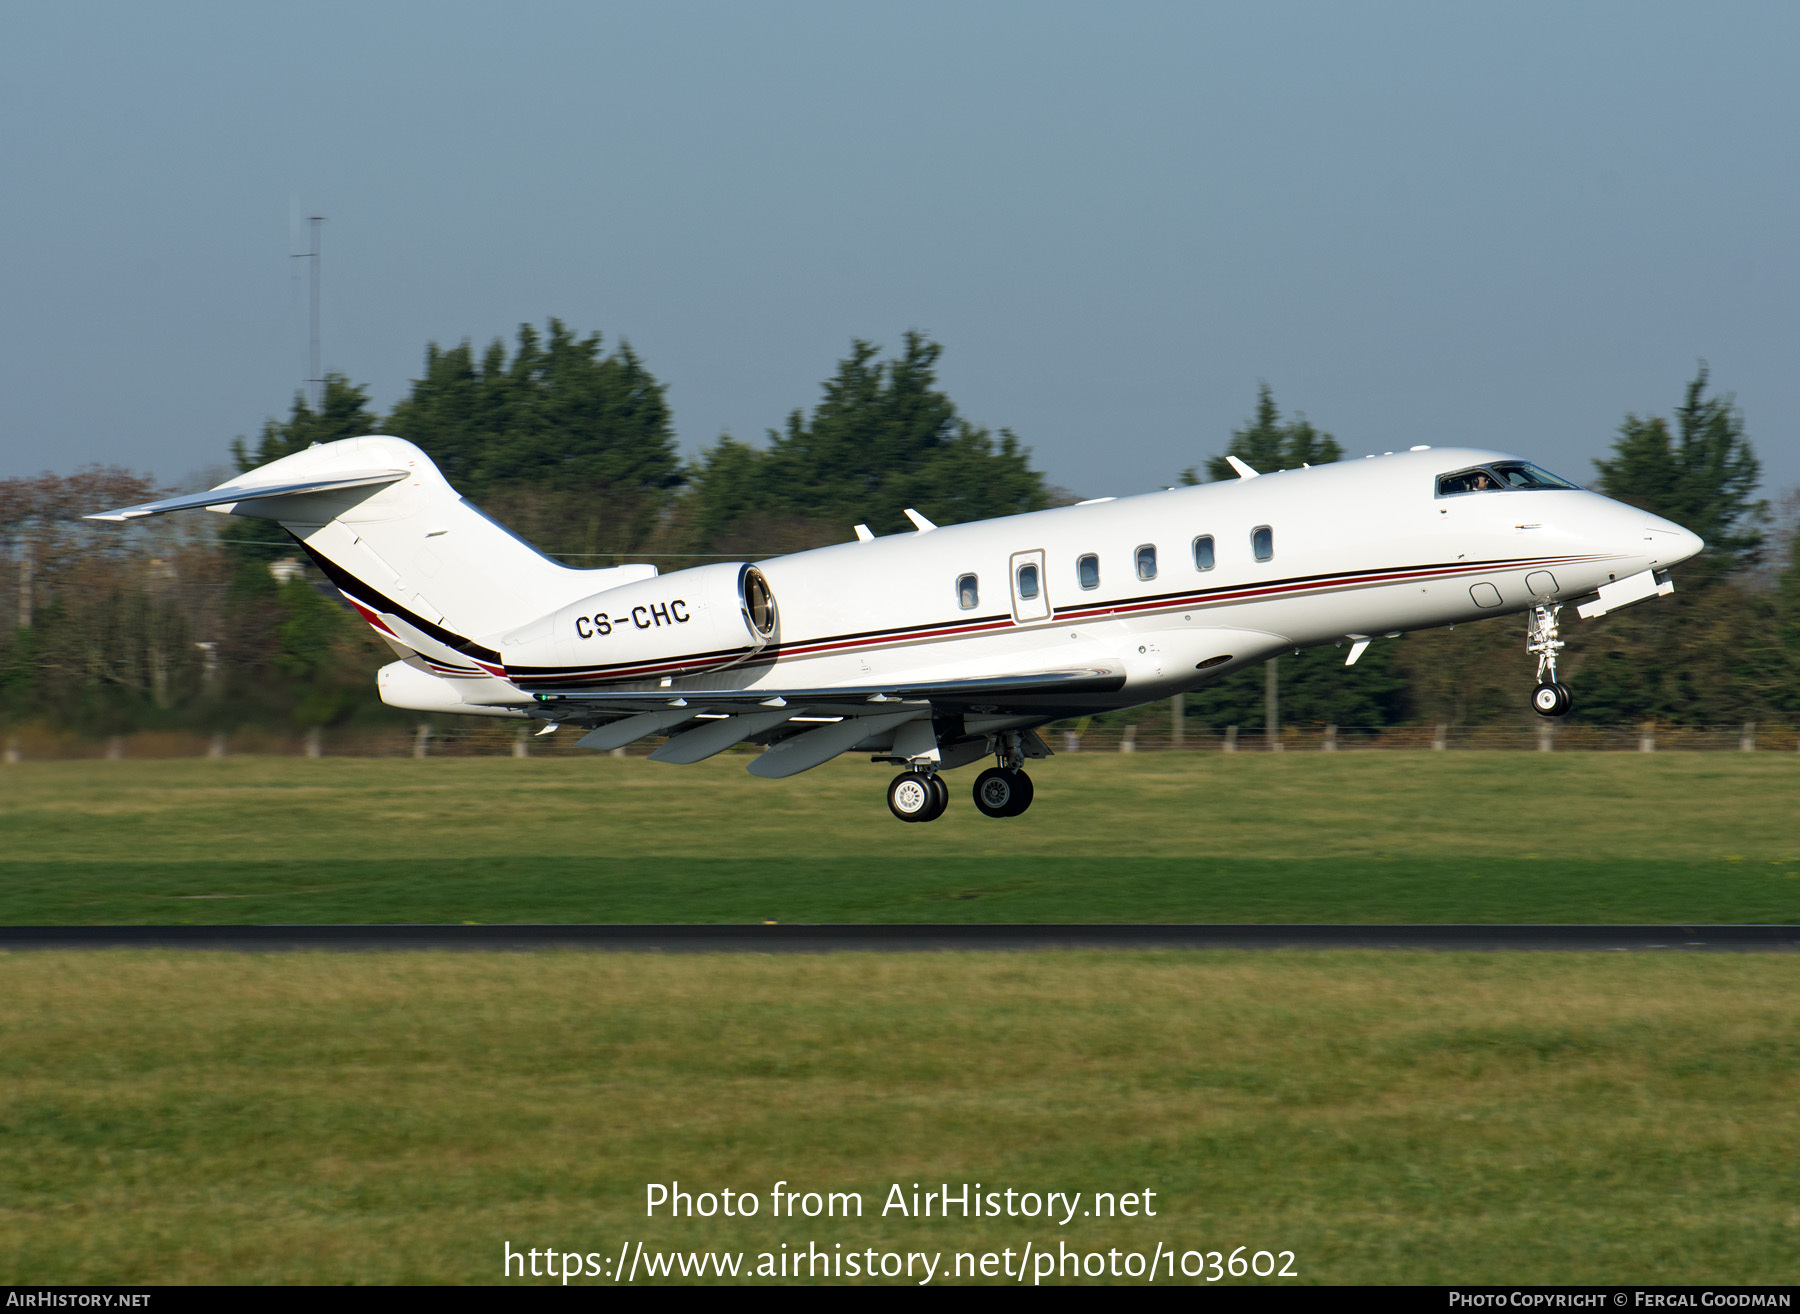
(1002, 792)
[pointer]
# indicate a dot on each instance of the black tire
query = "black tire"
(917, 796)
(1551, 700)
(911, 797)
(1002, 793)
(1027, 792)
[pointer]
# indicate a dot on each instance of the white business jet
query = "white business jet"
(941, 647)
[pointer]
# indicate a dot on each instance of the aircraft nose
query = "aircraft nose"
(1671, 542)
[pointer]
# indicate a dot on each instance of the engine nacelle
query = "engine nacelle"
(692, 621)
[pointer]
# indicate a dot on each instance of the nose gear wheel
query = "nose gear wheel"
(1551, 699)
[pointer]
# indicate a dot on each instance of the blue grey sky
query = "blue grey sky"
(1505, 224)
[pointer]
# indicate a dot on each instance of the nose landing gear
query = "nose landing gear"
(1551, 697)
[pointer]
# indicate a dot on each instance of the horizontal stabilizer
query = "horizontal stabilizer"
(228, 494)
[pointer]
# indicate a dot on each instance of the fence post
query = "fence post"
(216, 745)
(421, 740)
(521, 745)
(1440, 738)
(1128, 740)
(1747, 740)
(1330, 744)
(1071, 742)
(1647, 737)
(13, 755)
(1177, 721)
(115, 748)
(1272, 704)
(1230, 745)
(315, 746)
(1546, 733)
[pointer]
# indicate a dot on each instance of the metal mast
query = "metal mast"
(316, 377)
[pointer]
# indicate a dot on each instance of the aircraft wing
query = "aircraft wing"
(1042, 691)
(806, 727)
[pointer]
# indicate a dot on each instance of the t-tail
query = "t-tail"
(435, 576)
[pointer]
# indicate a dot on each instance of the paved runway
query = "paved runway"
(891, 937)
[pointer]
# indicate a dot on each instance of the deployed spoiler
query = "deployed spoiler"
(227, 494)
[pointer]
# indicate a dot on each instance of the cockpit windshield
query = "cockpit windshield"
(1523, 474)
(1499, 477)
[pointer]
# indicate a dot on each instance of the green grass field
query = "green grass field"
(1400, 1117)
(1421, 1118)
(1396, 836)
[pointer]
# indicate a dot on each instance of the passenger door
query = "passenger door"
(1030, 586)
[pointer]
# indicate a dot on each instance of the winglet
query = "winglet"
(924, 525)
(1243, 470)
(863, 535)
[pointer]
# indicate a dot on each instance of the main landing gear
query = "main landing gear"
(920, 794)
(1551, 697)
(1002, 792)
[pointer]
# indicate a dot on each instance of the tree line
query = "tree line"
(212, 622)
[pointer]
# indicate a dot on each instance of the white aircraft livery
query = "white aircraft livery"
(947, 645)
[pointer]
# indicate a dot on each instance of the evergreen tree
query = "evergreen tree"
(1787, 600)
(882, 439)
(574, 448)
(1703, 476)
(1267, 444)
(343, 413)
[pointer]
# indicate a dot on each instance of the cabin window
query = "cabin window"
(1203, 552)
(1262, 542)
(1146, 561)
(968, 594)
(1028, 581)
(1087, 571)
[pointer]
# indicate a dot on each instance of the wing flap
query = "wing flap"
(803, 752)
(711, 737)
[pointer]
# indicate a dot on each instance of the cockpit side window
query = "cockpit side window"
(1478, 480)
